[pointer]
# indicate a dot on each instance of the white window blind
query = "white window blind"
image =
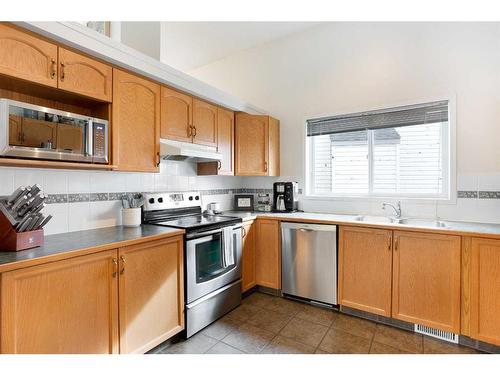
(398, 152)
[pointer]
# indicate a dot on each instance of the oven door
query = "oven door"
(208, 267)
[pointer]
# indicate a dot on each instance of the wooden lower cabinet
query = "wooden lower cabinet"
(248, 258)
(365, 269)
(69, 306)
(268, 253)
(426, 279)
(151, 284)
(484, 289)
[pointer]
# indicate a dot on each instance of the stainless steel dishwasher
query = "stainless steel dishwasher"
(309, 261)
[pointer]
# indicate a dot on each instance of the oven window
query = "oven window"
(209, 259)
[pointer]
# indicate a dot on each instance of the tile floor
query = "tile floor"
(267, 324)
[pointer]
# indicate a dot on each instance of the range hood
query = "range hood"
(183, 151)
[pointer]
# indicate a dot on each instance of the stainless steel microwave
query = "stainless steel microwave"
(35, 132)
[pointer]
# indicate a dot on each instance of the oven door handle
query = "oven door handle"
(208, 233)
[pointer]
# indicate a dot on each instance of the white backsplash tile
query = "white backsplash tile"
(105, 214)
(79, 217)
(6, 181)
(55, 182)
(78, 182)
(28, 177)
(59, 221)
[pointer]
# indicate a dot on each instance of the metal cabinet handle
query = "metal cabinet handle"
(396, 244)
(63, 75)
(115, 267)
(265, 166)
(190, 131)
(158, 159)
(389, 243)
(219, 164)
(53, 69)
(122, 259)
(195, 131)
(243, 232)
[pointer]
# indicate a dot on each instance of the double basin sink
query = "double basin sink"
(403, 221)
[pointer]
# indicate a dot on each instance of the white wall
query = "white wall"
(345, 67)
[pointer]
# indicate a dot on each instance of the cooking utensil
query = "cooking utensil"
(44, 222)
(15, 195)
(25, 224)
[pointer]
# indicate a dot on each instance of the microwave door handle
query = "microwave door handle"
(90, 137)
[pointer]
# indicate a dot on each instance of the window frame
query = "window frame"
(449, 193)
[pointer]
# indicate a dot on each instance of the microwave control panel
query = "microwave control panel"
(99, 141)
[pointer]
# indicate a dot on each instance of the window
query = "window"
(397, 152)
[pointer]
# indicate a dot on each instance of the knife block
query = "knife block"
(10, 240)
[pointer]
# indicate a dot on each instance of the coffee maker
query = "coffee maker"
(285, 196)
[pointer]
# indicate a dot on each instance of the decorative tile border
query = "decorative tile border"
(489, 195)
(467, 194)
(95, 197)
(81, 197)
(116, 196)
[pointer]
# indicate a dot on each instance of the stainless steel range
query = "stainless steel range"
(212, 255)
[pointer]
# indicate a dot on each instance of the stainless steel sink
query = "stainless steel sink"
(423, 223)
(407, 221)
(377, 219)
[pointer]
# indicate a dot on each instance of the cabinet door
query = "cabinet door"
(426, 279)
(27, 57)
(15, 130)
(248, 258)
(273, 167)
(485, 290)
(225, 141)
(86, 76)
(69, 306)
(365, 269)
(176, 115)
(36, 132)
(204, 123)
(251, 145)
(268, 254)
(151, 285)
(136, 123)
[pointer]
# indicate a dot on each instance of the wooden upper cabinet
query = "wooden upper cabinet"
(176, 115)
(204, 123)
(84, 75)
(256, 145)
(68, 306)
(151, 283)
(484, 289)
(268, 253)
(225, 141)
(248, 257)
(426, 279)
(136, 123)
(225, 146)
(365, 269)
(25, 56)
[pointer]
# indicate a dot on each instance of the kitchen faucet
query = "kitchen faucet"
(396, 209)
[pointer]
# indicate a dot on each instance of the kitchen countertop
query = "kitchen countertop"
(70, 244)
(452, 227)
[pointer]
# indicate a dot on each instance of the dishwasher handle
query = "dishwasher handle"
(306, 227)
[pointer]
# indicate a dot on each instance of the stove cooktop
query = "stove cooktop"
(197, 221)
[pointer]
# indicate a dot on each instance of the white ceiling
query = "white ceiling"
(188, 45)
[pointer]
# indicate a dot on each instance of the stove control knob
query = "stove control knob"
(190, 197)
(197, 198)
(160, 200)
(151, 200)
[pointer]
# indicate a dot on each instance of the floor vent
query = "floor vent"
(437, 333)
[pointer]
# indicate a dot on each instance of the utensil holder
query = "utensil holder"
(131, 217)
(10, 240)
